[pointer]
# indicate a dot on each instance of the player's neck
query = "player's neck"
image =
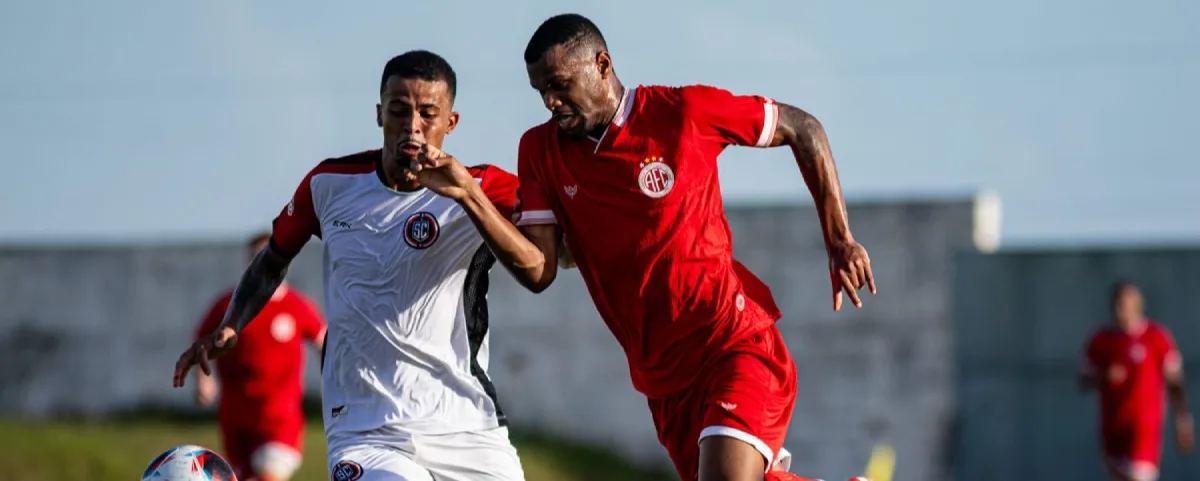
(615, 96)
(1134, 327)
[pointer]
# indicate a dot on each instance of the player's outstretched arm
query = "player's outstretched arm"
(806, 137)
(1177, 393)
(850, 267)
(260, 281)
(258, 284)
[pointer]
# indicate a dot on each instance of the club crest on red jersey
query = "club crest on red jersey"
(1137, 353)
(283, 327)
(421, 230)
(656, 177)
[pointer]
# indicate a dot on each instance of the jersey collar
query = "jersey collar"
(619, 119)
(1137, 329)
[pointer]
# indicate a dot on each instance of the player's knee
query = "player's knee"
(274, 462)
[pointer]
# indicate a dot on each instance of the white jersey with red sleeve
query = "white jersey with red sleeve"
(405, 298)
(641, 212)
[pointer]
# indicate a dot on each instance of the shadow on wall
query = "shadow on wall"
(25, 350)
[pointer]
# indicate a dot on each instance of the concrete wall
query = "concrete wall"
(1022, 319)
(96, 330)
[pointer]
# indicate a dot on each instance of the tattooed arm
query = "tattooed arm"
(806, 137)
(293, 227)
(258, 284)
(849, 265)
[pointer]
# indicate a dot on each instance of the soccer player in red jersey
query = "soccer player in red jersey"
(1132, 362)
(628, 177)
(261, 382)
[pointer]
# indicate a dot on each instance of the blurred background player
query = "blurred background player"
(628, 177)
(405, 391)
(260, 385)
(1132, 362)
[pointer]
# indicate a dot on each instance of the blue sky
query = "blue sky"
(149, 121)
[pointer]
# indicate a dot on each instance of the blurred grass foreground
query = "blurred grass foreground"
(119, 450)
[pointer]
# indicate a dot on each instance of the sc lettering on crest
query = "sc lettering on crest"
(421, 230)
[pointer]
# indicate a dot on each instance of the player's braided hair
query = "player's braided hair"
(420, 65)
(569, 29)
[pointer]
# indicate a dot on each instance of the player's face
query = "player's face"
(412, 112)
(1128, 307)
(574, 86)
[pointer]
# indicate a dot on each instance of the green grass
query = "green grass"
(119, 451)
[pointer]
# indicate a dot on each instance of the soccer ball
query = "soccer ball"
(188, 463)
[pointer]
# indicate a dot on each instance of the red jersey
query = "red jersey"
(641, 211)
(262, 377)
(1130, 372)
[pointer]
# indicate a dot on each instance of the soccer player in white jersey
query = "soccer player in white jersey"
(405, 391)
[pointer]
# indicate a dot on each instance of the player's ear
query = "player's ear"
(379, 115)
(453, 122)
(604, 64)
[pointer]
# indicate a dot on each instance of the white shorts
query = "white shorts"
(1122, 469)
(485, 455)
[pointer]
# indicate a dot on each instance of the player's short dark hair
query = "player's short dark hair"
(1119, 289)
(420, 65)
(571, 30)
(257, 239)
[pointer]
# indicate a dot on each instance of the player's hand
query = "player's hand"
(849, 271)
(204, 349)
(1185, 434)
(442, 173)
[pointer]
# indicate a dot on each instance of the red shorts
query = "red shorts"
(1136, 447)
(747, 394)
(241, 443)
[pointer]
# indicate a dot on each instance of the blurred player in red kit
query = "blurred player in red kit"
(261, 381)
(1132, 363)
(628, 178)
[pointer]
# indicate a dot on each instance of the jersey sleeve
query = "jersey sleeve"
(500, 187)
(745, 120)
(308, 318)
(1172, 359)
(533, 201)
(213, 317)
(297, 222)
